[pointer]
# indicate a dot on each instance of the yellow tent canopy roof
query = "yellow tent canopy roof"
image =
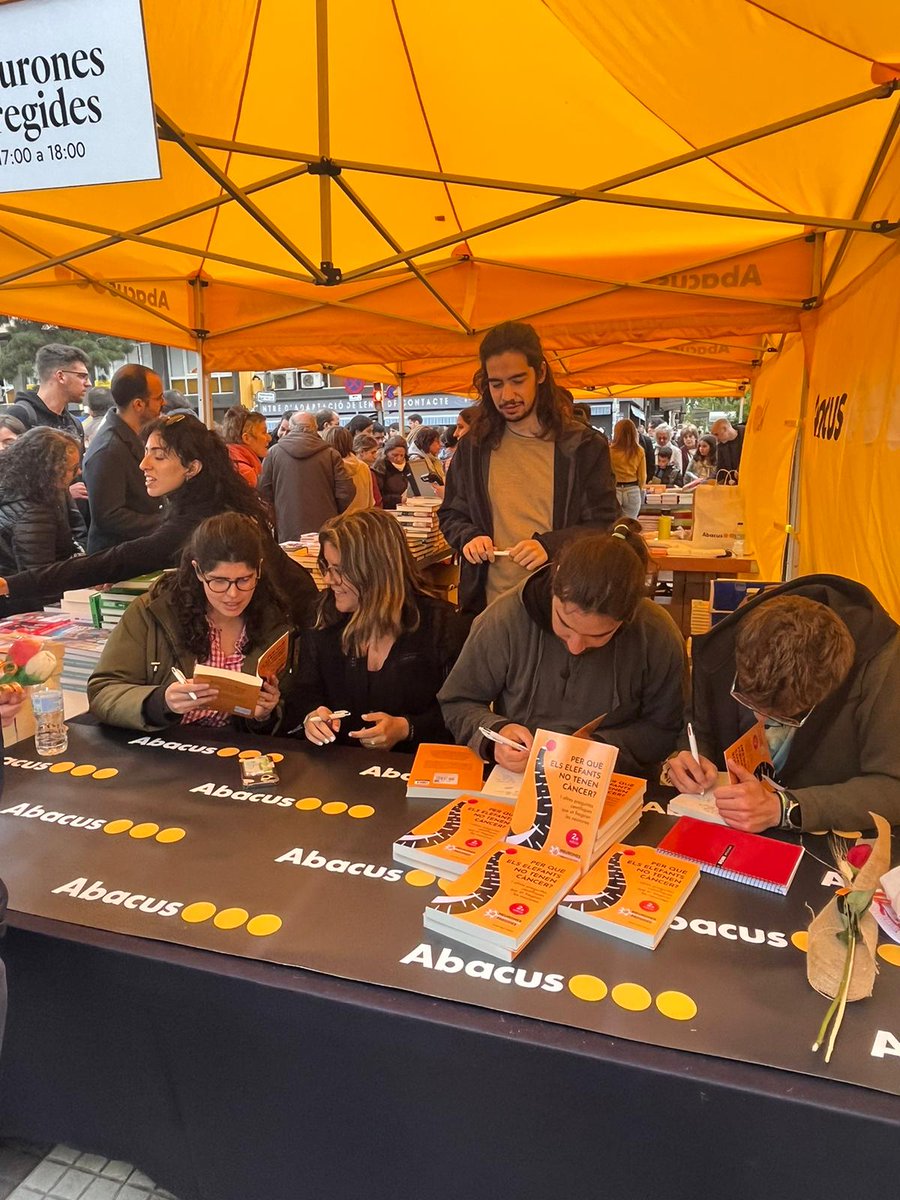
(380, 181)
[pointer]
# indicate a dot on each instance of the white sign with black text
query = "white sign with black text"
(75, 102)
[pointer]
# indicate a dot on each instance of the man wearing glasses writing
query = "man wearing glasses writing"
(64, 378)
(817, 661)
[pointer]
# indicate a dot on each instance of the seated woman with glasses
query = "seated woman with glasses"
(391, 470)
(381, 647)
(188, 467)
(817, 661)
(220, 608)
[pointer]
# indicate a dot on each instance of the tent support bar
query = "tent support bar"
(791, 560)
(324, 112)
(204, 395)
(882, 154)
(395, 245)
(238, 195)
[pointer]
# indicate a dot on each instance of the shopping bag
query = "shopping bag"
(717, 511)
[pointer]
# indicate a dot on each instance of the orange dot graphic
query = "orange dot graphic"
(228, 752)
(146, 830)
(106, 773)
(418, 878)
(333, 807)
(676, 1006)
(360, 811)
(587, 987)
(800, 940)
(61, 768)
(117, 826)
(276, 757)
(173, 834)
(631, 996)
(86, 769)
(245, 754)
(264, 925)
(201, 910)
(230, 918)
(890, 953)
(308, 803)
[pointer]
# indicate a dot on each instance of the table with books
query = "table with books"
(693, 570)
(233, 984)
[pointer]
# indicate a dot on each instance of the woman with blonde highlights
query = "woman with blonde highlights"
(382, 646)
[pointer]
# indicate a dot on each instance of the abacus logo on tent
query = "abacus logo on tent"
(140, 832)
(193, 912)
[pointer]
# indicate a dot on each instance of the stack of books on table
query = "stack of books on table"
(670, 498)
(305, 551)
(79, 641)
(418, 520)
(107, 607)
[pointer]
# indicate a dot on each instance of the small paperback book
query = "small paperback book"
(503, 900)
(560, 806)
(444, 772)
(763, 862)
(702, 806)
(238, 690)
(751, 751)
(454, 837)
(632, 892)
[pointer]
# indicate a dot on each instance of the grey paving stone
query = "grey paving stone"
(64, 1154)
(102, 1189)
(132, 1193)
(24, 1193)
(71, 1186)
(44, 1176)
(139, 1180)
(91, 1162)
(116, 1169)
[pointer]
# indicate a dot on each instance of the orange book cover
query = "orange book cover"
(751, 751)
(631, 892)
(274, 660)
(459, 833)
(506, 897)
(561, 802)
(623, 791)
(445, 770)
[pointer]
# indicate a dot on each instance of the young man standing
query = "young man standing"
(526, 478)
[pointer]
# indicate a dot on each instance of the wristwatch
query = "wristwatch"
(791, 817)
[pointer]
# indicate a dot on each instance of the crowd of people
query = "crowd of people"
(555, 626)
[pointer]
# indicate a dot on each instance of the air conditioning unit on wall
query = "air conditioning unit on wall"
(284, 381)
(312, 379)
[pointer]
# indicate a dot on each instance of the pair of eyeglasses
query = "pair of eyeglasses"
(788, 722)
(327, 569)
(219, 584)
(78, 374)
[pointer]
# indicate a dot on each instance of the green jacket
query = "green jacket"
(135, 668)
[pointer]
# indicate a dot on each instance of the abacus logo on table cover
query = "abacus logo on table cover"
(144, 830)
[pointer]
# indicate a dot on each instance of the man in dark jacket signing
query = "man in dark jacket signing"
(527, 478)
(120, 507)
(304, 479)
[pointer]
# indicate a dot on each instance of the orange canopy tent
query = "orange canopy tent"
(351, 183)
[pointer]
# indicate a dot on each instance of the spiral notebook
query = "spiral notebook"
(762, 862)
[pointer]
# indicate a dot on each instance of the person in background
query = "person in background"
(526, 478)
(247, 438)
(176, 402)
(98, 401)
(426, 447)
(629, 467)
(366, 448)
(360, 424)
(703, 464)
(582, 412)
(464, 420)
(379, 433)
(304, 480)
(341, 439)
(35, 473)
(327, 418)
(382, 645)
(10, 429)
(186, 466)
(817, 661)
(571, 642)
(667, 469)
(283, 428)
(647, 446)
(688, 436)
(220, 608)
(120, 506)
(449, 442)
(414, 422)
(663, 440)
(392, 472)
(731, 444)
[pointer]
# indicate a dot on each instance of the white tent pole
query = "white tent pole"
(204, 396)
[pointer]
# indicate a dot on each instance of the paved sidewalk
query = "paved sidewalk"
(33, 1173)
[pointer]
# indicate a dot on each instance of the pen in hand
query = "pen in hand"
(182, 678)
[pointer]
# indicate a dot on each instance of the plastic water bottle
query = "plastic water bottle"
(738, 548)
(51, 736)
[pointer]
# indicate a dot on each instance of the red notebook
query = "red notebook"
(747, 857)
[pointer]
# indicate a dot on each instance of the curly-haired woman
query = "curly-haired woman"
(35, 473)
(382, 645)
(220, 608)
(188, 467)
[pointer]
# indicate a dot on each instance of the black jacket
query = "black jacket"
(32, 534)
(120, 507)
(393, 482)
(845, 759)
(158, 551)
(406, 686)
(584, 500)
(32, 411)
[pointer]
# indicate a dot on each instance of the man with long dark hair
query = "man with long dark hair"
(527, 478)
